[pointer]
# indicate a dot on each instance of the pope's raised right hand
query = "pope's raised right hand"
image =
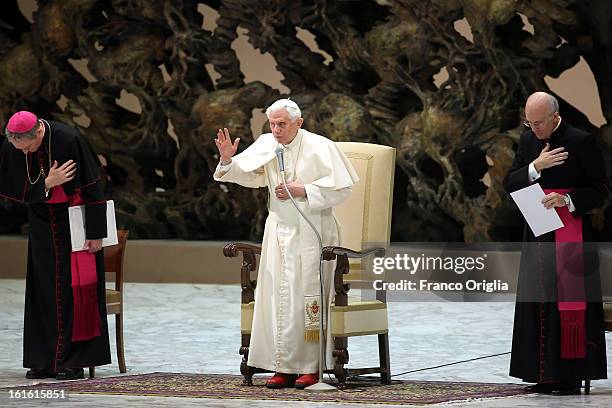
(227, 149)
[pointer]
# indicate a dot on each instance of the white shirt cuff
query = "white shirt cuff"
(533, 173)
(222, 170)
(570, 206)
(224, 166)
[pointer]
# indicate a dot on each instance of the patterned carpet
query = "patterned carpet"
(230, 386)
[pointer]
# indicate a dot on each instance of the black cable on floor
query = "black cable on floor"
(373, 379)
(450, 364)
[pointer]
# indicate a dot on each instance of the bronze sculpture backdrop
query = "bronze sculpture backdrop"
(455, 141)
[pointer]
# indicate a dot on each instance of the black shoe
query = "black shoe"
(70, 374)
(39, 373)
(542, 388)
(567, 388)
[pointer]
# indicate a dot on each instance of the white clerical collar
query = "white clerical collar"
(296, 141)
(558, 124)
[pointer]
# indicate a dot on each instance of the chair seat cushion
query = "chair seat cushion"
(359, 318)
(113, 296)
(113, 301)
(246, 317)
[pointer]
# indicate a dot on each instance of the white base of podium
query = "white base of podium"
(321, 387)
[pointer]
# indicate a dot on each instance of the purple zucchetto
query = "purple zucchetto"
(22, 122)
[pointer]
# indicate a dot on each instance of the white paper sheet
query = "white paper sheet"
(540, 219)
(76, 216)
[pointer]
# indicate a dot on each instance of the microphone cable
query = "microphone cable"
(369, 379)
(323, 353)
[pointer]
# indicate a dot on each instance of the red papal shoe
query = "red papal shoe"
(281, 380)
(306, 380)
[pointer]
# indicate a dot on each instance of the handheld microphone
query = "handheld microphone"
(281, 158)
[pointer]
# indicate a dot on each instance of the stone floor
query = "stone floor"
(195, 329)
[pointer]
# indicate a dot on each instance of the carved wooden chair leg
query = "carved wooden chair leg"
(246, 371)
(342, 357)
(340, 374)
(383, 355)
(587, 386)
(119, 338)
(92, 371)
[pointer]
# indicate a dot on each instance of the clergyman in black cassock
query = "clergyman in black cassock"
(65, 326)
(568, 165)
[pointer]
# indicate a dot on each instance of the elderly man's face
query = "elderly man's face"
(283, 129)
(29, 145)
(540, 118)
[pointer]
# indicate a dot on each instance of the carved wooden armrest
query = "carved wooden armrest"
(249, 264)
(234, 249)
(342, 255)
(331, 252)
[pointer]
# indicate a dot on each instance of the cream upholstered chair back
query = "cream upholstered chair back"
(365, 217)
(365, 221)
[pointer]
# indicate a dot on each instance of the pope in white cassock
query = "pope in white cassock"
(284, 336)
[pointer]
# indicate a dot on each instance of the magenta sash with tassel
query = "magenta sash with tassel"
(86, 323)
(570, 282)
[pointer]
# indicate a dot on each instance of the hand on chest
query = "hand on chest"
(567, 168)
